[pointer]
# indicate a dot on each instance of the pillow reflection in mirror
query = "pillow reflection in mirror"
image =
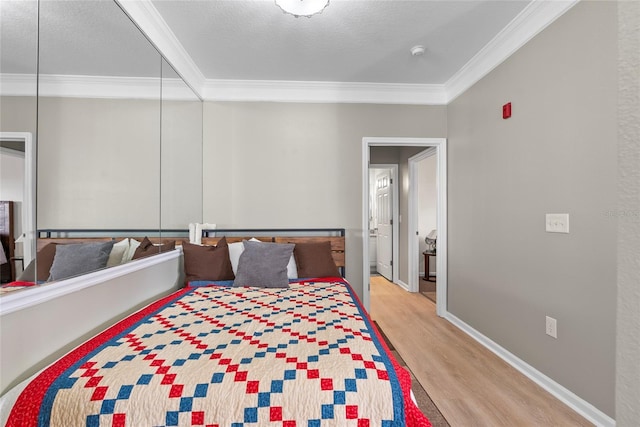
(44, 259)
(147, 248)
(79, 258)
(128, 255)
(118, 252)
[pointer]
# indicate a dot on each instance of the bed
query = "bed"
(250, 351)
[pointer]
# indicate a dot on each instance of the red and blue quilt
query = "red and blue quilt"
(215, 355)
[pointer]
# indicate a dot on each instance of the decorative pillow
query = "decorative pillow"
(207, 262)
(29, 273)
(292, 269)
(118, 252)
(264, 265)
(147, 248)
(79, 258)
(235, 250)
(315, 260)
(128, 255)
(44, 259)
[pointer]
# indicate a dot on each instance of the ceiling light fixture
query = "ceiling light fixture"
(300, 8)
(417, 50)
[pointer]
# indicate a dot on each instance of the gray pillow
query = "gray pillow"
(79, 258)
(264, 265)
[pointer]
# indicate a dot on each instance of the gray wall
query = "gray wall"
(556, 154)
(298, 165)
(18, 114)
(99, 160)
(628, 325)
(84, 180)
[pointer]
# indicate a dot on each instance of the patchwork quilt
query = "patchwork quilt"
(214, 355)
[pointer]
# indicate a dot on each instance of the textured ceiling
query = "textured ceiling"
(92, 38)
(351, 41)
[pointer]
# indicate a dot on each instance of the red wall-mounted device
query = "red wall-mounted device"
(506, 110)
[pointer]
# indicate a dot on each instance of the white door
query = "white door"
(384, 245)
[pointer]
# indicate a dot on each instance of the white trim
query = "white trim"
(324, 92)
(534, 18)
(414, 246)
(442, 261)
(395, 213)
(18, 84)
(402, 285)
(144, 14)
(566, 396)
(441, 146)
(74, 86)
(29, 191)
(38, 294)
(366, 270)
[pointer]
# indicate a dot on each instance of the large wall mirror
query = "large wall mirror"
(117, 134)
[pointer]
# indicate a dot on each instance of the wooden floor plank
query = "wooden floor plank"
(468, 383)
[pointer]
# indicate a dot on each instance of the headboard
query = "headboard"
(209, 237)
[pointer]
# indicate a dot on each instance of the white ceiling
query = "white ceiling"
(350, 41)
(355, 51)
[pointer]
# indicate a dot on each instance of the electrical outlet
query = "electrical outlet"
(552, 327)
(557, 223)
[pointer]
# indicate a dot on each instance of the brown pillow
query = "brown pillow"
(44, 261)
(147, 248)
(315, 260)
(207, 262)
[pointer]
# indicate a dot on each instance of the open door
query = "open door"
(384, 256)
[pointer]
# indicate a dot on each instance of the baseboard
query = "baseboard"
(402, 285)
(566, 396)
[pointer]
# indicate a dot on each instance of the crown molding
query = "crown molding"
(534, 18)
(151, 23)
(65, 86)
(18, 84)
(323, 92)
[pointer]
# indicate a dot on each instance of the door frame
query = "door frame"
(28, 211)
(395, 212)
(440, 145)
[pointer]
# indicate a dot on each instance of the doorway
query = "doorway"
(20, 145)
(410, 240)
(383, 224)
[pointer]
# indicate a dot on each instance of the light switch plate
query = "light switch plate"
(557, 223)
(551, 327)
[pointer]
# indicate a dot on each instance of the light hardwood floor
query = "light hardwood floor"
(469, 384)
